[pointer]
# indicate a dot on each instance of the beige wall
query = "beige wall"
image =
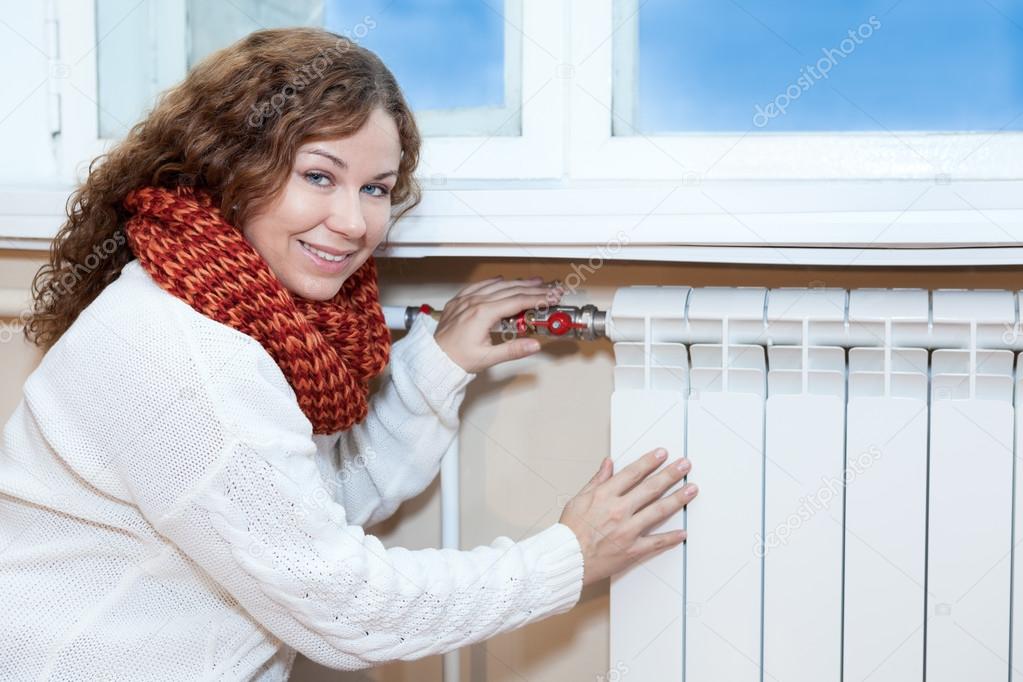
(533, 432)
(17, 357)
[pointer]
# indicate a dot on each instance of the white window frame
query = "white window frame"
(529, 73)
(795, 199)
(895, 155)
(569, 188)
(482, 121)
(539, 27)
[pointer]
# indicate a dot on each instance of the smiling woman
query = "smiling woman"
(312, 90)
(333, 211)
(198, 451)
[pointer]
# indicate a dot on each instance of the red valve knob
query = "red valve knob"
(559, 323)
(425, 308)
(521, 325)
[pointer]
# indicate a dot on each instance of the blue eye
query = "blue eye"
(316, 174)
(383, 190)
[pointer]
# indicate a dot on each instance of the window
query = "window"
(462, 85)
(487, 110)
(817, 138)
(874, 66)
(470, 84)
(696, 129)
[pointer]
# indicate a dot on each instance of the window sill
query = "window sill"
(830, 223)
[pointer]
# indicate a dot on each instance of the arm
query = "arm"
(395, 453)
(250, 508)
(324, 587)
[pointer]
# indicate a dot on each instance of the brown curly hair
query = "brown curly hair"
(232, 126)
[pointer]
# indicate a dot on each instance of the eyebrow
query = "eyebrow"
(344, 166)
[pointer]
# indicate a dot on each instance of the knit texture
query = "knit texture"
(167, 514)
(328, 350)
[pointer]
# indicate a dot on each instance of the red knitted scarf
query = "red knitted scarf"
(328, 350)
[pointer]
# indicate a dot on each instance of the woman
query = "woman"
(185, 484)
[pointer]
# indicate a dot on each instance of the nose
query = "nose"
(346, 218)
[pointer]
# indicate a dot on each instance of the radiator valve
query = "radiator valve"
(581, 322)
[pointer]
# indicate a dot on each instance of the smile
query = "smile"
(323, 254)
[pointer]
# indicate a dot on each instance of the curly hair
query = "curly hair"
(232, 126)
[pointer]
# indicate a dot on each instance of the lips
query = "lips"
(327, 249)
(326, 264)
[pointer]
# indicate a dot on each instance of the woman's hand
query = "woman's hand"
(612, 513)
(463, 331)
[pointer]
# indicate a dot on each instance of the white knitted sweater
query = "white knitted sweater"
(167, 514)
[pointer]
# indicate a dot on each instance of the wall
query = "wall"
(533, 432)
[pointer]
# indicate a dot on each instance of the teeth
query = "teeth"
(321, 254)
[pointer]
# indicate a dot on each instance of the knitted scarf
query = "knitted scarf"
(327, 350)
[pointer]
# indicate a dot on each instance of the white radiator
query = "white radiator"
(855, 455)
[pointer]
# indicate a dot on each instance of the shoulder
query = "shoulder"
(138, 350)
(134, 319)
(136, 303)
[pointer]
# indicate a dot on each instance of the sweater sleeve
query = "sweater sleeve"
(395, 453)
(263, 529)
(255, 515)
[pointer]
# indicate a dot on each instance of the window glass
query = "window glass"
(761, 66)
(450, 56)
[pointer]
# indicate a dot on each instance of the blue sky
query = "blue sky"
(444, 53)
(706, 65)
(930, 65)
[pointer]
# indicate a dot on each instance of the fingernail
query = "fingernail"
(691, 487)
(532, 345)
(660, 453)
(682, 464)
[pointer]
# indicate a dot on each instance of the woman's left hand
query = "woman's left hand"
(463, 331)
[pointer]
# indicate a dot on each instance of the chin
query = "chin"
(322, 290)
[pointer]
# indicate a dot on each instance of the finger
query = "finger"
(655, 543)
(654, 486)
(511, 350)
(504, 288)
(658, 511)
(502, 283)
(476, 286)
(506, 307)
(496, 291)
(497, 283)
(628, 477)
(544, 295)
(603, 472)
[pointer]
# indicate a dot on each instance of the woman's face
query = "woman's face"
(336, 200)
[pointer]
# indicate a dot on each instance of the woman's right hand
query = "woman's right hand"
(611, 514)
